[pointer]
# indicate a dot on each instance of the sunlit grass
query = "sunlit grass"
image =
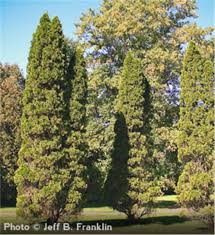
(167, 218)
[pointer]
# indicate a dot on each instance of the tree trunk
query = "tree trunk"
(131, 218)
(53, 219)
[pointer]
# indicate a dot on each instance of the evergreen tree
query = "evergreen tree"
(195, 140)
(41, 176)
(134, 103)
(117, 179)
(76, 141)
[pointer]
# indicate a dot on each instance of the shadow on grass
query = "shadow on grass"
(166, 204)
(159, 204)
(164, 220)
(95, 205)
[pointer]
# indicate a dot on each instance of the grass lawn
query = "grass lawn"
(167, 218)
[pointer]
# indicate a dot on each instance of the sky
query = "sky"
(19, 19)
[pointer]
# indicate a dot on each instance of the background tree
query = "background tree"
(134, 103)
(157, 32)
(196, 134)
(42, 175)
(100, 131)
(11, 87)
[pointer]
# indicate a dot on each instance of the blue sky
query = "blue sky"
(19, 19)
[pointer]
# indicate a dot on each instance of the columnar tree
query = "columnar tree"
(196, 135)
(134, 103)
(116, 184)
(41, 176)
(76, 142)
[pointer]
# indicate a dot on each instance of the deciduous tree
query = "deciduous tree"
(11, 87)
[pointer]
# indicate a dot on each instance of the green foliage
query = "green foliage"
(51, 175)
(100, 130)
(196, 135)
(115, 30)
(116, 184)
(107, 35)
(134, 103)
(78, 94)
(113, 133)
(41, 176)
(11, 86)
(76, 142)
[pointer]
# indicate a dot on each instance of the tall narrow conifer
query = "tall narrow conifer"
(76, 141)
(196, 134)
(134, 103)
(116, 184)
(41, 176)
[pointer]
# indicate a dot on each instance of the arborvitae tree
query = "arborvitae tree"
(195, 140)
(76, 141)
(117, 180)
(11, 87)
(133, 102)
(41, 176)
